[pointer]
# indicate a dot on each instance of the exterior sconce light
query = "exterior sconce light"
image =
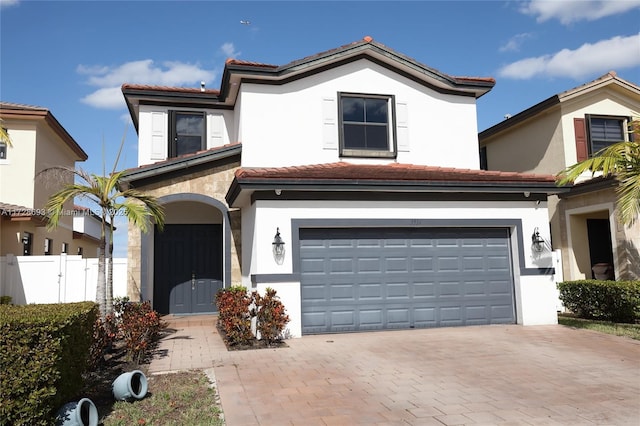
(278, 247)
(26, 238)
(537, 242)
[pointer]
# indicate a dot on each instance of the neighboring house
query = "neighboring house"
(38, 141)
(559, 132)
(348, 181)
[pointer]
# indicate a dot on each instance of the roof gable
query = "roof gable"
(237, 72)
(14, 111)
(609, 80)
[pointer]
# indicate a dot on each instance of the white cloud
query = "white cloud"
(229, 50)
(108, 80)
(605, 55)
(8, 3)
(569, 11)
(513, 45)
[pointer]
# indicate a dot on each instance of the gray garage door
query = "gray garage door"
(373, 279)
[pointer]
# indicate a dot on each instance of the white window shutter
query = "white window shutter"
(216, 130)
(402, 125)
(159, 141)
(329, 123)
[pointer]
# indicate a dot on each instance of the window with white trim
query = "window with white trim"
(186, 132)
(367, 125)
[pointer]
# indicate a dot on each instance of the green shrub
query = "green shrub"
(617, 301)
(233, 314)
(43, 356)
(5, 300)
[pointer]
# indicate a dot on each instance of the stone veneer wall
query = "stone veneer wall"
(627, 239)
(213, 182)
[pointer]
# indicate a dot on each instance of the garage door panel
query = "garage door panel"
(424, 317)
(313, 266)
(421, 264)
(501, 314)
(422, 290)
(370, 292)
(398, 291)
(446, 264)
(343, 318)
(401, 278)
(371, 318)
(398, 318)
(396, 264)
(341, 293)
(369, 264)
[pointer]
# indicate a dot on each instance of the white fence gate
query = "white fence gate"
(56, 279)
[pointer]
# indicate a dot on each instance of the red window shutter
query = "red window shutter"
(580, 130)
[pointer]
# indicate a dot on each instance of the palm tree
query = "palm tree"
(4, 135)
(112, 200)
(620, 160)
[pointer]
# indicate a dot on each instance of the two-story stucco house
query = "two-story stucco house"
(348, 181)
(38, 141)
(556, 133)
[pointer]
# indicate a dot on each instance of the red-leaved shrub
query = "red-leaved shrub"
(271, 316)
(233, 314)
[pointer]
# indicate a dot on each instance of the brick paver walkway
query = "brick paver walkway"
(507, 375)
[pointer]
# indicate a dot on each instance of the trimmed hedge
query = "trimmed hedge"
(617, 301)
(44, 354)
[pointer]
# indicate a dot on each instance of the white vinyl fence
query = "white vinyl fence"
(55, 279)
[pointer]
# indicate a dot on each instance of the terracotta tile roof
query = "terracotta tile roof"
(233, 61)
(366, 40)
(392, 172)
(14, 210)
(182, 157)
(169, 89)
(23, 107)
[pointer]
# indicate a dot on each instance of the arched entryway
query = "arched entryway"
(190, 257)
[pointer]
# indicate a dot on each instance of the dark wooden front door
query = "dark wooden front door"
(187, 268)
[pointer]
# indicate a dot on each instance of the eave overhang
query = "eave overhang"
(245, 189)
(185, 164)
(589, 186)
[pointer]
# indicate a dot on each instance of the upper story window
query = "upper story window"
(187, 132)
(366, 125)
(604, 131)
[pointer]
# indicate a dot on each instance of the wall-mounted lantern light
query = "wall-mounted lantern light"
(278, 247)
(537, 242)
(26, 238)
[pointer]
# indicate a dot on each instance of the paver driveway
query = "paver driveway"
(536, 375)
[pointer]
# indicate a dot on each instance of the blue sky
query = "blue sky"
(72, 56)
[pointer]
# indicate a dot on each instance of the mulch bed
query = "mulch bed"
(251, 345)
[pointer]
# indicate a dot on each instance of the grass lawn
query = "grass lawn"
(617, 329)
(184, 398)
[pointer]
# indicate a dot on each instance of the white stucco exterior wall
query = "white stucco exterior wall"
(435, 121)
(284, 125)
(153, 131)
(535, 294)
